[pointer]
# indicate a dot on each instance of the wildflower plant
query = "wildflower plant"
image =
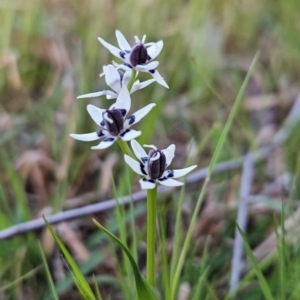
(153, 167)
(115, 124)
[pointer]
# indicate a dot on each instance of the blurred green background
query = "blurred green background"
(49, 54)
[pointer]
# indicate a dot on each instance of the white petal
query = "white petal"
(112, 78)
(147, 45)
(112, 49)
(133, 164)
(86, 137)
(182, 172)
(123, 100)
(111, 96)
(150, 146)
(140, 85)
(146, 68)
(138, 115)
(95, 113)
(129, 134)
(96, 94)
(126, 77)
(169, 153)
(122, 66)
(123, 44)
(146, 184)
(107, 142)
(159, 79)
(170, 182)
(138, 150)
(153, 51)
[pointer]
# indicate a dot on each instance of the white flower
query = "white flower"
(152, 166)
(115, 79)
(139, 57)
(113, 121)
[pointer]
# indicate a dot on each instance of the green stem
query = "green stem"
(131, 80)
(125, 148)
(151, 226)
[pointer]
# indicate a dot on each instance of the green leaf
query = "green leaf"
(215, 157)
(98, 294)
(281, 250)
(79, 279)
(200, 287)
(144, 290)
(51, 283)
(22, 212)
(86, 267)
(232, 114)
(262, 281)
(20, 279)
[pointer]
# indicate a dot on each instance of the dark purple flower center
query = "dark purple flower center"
(156, 164)
(114, 121)
(138, 55)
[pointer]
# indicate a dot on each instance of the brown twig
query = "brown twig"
(109, 204)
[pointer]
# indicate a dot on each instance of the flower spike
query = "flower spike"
(113, 121)
(139, 57)
(152, 166)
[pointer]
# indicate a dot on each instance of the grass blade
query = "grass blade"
(163, 250)
(200, 288)
(20, 279)
(22, 212)
(51, 283)
(262, 281)
(211, 167)
(281, 250)
(98, 295)
(144, 289)
(231, 117)
(80, 281)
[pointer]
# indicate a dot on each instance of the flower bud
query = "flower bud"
(114, 121)
(156, 164)
(138, 55)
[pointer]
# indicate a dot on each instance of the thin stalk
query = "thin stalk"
(231, 116)
(178, 236)
(188, 239)
(19, 280)
(165, 274)
(131, 80)
(151, 226)
(48, 273)
(212, 164)
(125, 148)
(177, 244)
